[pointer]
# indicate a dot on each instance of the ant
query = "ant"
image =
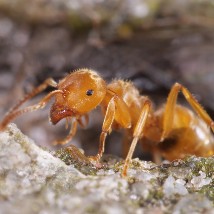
(173, 131)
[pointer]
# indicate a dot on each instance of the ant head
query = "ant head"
(83, 90)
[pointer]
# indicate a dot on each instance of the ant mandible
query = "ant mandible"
(172, 131)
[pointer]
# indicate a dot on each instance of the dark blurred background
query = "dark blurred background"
(154, 43)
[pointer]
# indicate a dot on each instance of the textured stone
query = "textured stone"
(32, 180)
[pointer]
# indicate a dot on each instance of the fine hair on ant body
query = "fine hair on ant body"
(173, 131)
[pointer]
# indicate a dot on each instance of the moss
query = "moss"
(135, 164)
(157, 194)
(91, 210)
(118, 166)
(208, 191)
(154, 197)
(72, 156)
(203, 164)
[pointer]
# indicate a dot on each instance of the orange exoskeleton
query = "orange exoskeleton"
(172, 131)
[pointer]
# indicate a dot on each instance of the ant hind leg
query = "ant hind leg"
(171, 104)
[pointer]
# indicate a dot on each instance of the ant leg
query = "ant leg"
(37, 90)
(125, 144)
(138, 131)
(170, 108)
(77, 155)
(156, 155)
(84, 123)
(8, 117)
(72, 132)
(15, 113)
(106, 128)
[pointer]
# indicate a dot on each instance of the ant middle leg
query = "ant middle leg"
(138, 131)
(171, 104)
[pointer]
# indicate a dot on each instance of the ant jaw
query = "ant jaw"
(57, 113)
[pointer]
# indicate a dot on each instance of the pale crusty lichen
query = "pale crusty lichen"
(33, 179)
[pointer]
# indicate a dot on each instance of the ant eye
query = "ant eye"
(89, 92)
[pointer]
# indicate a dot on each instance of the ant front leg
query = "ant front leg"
(37, 90)
(138, 131)
(106, 128)
(171, 104)
(72, 132)
(14, 112)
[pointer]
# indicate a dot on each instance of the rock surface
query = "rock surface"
(32, 180)
(153, 43)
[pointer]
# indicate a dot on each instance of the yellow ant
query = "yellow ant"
(173, 131)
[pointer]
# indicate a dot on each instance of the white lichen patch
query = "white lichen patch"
(193, 203)
(200, 181)
(103, 187)
(172, 186)
(141, 189)
(32, 180)
(141, 170)
(24, 166)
